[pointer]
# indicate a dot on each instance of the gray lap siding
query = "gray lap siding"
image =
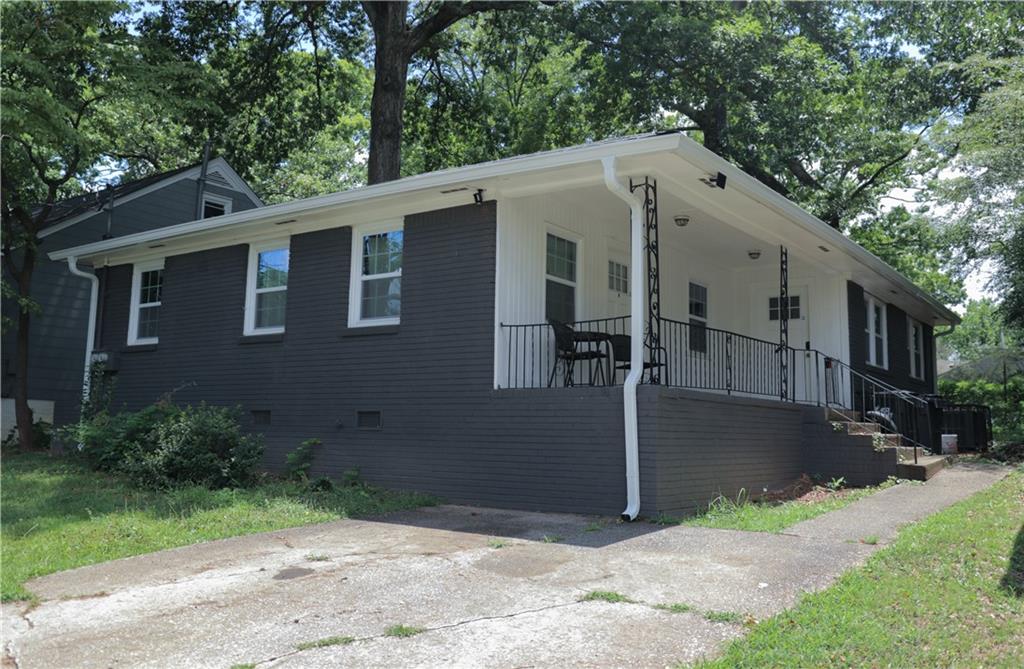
(445, 430)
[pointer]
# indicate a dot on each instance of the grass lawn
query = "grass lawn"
(57, 514)
(725, 514)
(949, 592)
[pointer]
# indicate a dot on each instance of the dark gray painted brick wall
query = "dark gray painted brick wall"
(58, 332)
(696, 446)
(446, 431)
(829, 454)
(898, 373)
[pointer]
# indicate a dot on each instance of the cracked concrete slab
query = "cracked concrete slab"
(490, 587)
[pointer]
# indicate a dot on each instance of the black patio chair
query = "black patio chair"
(568, 355)
(620, 352)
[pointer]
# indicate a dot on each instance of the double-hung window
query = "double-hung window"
(877, 332)
(915, 344)
(698, 318)
(560, 279)
(375, 294)
(147, 295)
(266, 293)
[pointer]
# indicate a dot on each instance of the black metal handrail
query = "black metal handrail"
(895, 411)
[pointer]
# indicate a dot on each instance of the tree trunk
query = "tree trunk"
(391, 66)
(22, 412)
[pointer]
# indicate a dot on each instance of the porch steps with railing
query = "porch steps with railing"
(921, 468)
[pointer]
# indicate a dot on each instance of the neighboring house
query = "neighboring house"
(58, 331)
(405, 324)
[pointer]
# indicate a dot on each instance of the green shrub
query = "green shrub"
(298, 462)
(1007, 403)
(351, 477)
(163, 446)
(42, 434)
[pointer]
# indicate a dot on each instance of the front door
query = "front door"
(765, 312)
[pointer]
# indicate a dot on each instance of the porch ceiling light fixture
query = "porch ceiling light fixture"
(714, 180)
(754, 254)
(681, 221)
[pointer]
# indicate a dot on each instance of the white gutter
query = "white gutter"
(90, 337)
(636, 343)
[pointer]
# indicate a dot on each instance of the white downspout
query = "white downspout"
(636, 329)
(90, 337)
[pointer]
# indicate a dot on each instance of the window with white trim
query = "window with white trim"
(915, 344)
(147, 296)
(375, 294)
(698, 318)
(266, 294)
(618, 277)
(877, 332)
(215, 205)
(560, 279)
(794, 308)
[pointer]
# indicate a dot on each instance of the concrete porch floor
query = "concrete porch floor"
(488, 588)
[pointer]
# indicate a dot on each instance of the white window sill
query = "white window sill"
(144, 342)
(374, 322)
(263, 331)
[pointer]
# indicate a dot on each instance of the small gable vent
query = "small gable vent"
(369, 420)
(217, 179)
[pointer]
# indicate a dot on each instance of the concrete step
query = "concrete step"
(844, 415)
(927, 466)
(863, 428)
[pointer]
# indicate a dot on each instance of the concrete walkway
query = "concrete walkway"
(487, 587)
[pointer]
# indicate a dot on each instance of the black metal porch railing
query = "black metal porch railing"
(532, 355)
(698, 357)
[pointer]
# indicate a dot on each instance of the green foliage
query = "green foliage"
(981, 330)
(351, 477)
(403, 631)
(163, 446)
(58, 514)
(1007, 403)
(42, 435)
(605, 596)
(929, 254)
(298, 462)
(326, 642)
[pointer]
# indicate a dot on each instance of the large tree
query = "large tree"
(72, 76)
(828, 103)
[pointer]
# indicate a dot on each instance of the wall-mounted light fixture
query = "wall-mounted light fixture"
(681, 221)
(478, 196)
(754, 254)
(714, 180)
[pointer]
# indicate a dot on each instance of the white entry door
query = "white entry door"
(765, 312)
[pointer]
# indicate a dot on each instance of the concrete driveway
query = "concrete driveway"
(486, 587)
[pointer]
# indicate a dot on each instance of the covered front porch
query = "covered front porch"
(728, 305)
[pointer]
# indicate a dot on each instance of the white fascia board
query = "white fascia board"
(431, 180)
(696, 154)
(218, 163)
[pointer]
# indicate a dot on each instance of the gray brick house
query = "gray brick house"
(630, 326)
(58, 331)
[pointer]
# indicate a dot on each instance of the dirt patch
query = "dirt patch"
(804, 490)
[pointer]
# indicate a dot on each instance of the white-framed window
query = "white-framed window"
(561, 273)
(698, 318)
(266, 288)
(618, 277)
(215, 205)
(147, 295)
(877, 332)
(774, 311)
(375, 288)
(915, 345)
